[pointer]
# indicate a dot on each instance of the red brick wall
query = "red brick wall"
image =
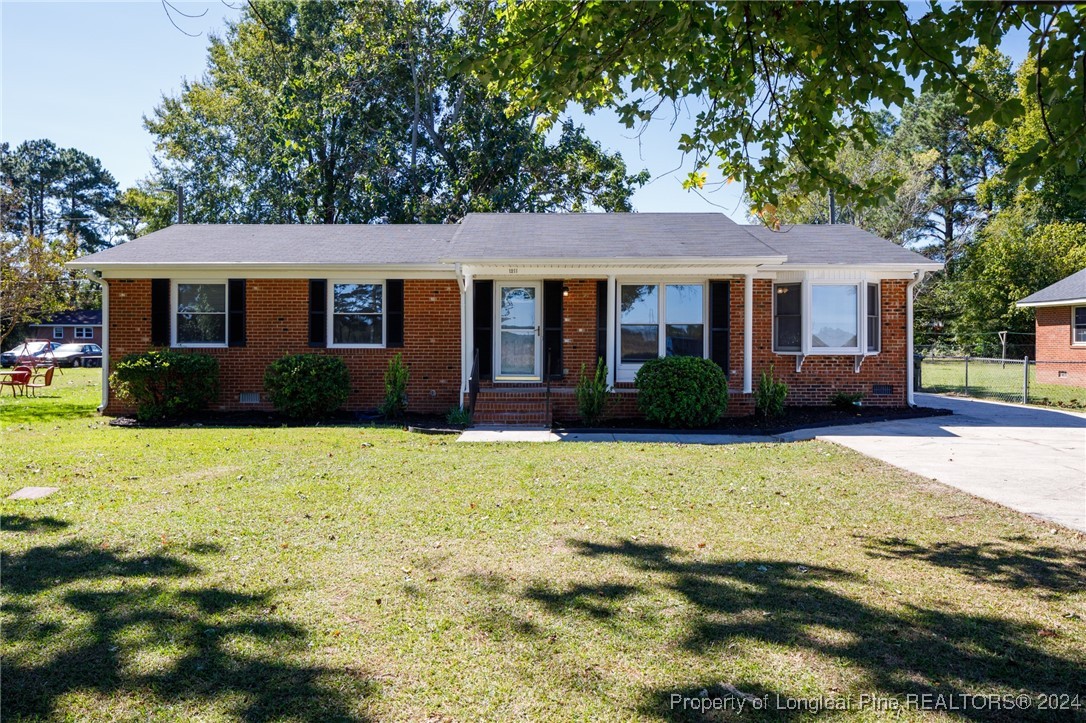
(1054, 345)
(46, 333)
(277, 324)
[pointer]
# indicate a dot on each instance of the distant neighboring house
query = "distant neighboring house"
(506, 308)
(1061, 330)
(70, 327)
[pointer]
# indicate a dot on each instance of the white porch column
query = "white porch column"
(105, 344)
(748, 333)
(612, 331)
(467, 333)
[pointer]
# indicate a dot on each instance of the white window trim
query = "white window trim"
(626, 371)
(56, 329)
(1073, 342)
(88, 335)
(330, 305)
(174, 283)
(806, 314)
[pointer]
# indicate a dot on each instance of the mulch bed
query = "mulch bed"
(793, 418)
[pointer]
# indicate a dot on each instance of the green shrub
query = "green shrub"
(307, 386)
(458, 417)
(166, 384)
(682, 391)
(845, 400)
(592, 394)
(770, 395)
(396, 377)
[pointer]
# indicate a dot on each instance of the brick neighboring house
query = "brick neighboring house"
(70, 327)
(519, 302)
(1061, 330)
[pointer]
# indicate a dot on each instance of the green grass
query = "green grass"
(356, 573)
(994, 380)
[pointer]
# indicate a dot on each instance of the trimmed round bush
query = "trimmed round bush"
(682, 391)
(166, 384)
(307, 386)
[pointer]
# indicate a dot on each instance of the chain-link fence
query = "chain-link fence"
(1048, 383)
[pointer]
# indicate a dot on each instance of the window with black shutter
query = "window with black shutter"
(160, 312)
(719, 323)
(552, 328)
(483, 327)
(235, 322)
(318, 312)
(394, 312)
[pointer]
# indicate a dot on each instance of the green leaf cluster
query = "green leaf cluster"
(307, 386)
(165, 385)
(682, 391)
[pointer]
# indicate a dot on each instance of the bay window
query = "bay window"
(200, 318)
(357, 316)
(658, 320)
(826, 318)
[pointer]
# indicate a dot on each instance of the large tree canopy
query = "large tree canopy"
(57, 191)
(353, 112)
(782, 82)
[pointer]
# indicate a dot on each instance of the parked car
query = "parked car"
(28, 351)
(78, 355)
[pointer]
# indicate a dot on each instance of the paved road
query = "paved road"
(1030, 459)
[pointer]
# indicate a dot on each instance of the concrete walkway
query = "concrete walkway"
(1030, 459)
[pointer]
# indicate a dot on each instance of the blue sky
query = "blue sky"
(84, 74)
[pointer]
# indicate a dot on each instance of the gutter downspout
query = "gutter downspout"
(910, 372)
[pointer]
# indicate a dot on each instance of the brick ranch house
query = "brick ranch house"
(1061, 330)
(518, 303)
(83, 326)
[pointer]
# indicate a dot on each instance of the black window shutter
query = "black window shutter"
(484, 327)
(552, 328)
(601, 322)
(318, 312)
(719, 322)
(235, 317)
(160, 312)
(394, 312)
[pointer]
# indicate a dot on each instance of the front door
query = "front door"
(518, 332)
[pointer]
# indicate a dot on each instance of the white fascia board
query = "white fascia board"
(1061, 302)
(268, 271)
(878, 268)
(739, 261)
(599, 271)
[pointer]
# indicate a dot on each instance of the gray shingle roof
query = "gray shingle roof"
(80, 317)
(544, 236)
(507, 237)
(1070, 288)
(286, 244)
(819, 244)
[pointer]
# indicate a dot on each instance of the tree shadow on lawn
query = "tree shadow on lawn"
(119, 625)
(897, 650)
(22, 523)
(1011, 563)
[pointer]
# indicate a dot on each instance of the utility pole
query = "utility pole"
(180, 204)
(833, 207)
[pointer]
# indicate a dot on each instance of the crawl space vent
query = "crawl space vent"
(249, 397)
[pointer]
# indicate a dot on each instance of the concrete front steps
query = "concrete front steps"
(512, 407)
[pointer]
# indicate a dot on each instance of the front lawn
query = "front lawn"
(354, 573)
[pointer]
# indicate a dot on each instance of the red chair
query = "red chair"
(46, 380)
(19, 377)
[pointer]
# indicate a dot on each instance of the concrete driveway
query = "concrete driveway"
(1027, 458)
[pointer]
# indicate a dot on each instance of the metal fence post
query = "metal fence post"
(967, 375)
(1025, 380)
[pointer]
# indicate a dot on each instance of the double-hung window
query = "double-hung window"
(357, 317)
(658, 320)
(787, 317)
(874, 318)
(84, 332)
(58, 332)
(1078, 324)
(200, 318)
